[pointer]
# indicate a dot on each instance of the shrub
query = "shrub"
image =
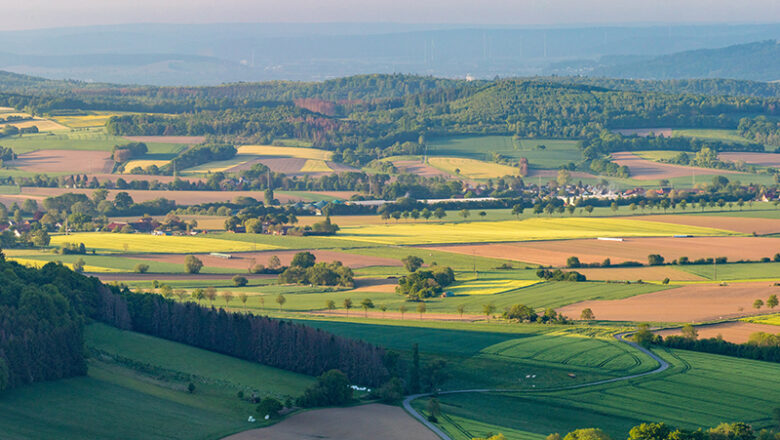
(141, 268)
(193, 264)
(332, 388)
(269, 407)
(240, 281)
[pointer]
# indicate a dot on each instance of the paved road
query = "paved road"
(662, 366)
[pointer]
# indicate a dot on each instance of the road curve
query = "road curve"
(662, 366)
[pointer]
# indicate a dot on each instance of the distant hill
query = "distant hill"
(758, 61)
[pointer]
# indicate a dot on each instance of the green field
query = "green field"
(122, 402)
(84, 139)
(556, 152)
(713, 134)
(734, 271)
(701, 390)
(765, 319)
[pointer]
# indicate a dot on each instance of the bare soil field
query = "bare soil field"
(419, 168)
(646, 273)
(287, 165)
(691, 303)
(180, 197)
(189, 140)
(143, 177)
(54, 161)
(763, 159)
(745, 225)
(42, 124)
(736, 332)
(242, 260)
(340, 167)
(375, 422)
(643, 169)
(644, 132)
(555, 253)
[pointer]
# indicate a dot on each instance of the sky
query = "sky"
(32, 14)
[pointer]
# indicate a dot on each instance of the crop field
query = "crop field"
(92, 119)
(701, 390)
(555, 153)
(489, 287)
(145, 243)
(690, 303)
(45, 161)
(218, 166)
(143, 163)
(737, 332)
(735, 271)
(555, 253)
(766, 319)
(747, 223)
(316, 166)
(714, 134)
(760, 159)
(644, 169)
(472, 168)
(31, 262)
(524, 230)
(297, 152)
(118, 263)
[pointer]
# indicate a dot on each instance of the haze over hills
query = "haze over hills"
(759, 61)
(219, 53)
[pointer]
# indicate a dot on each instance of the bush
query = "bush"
(573, 262)
(141, 268)
(425, 283)
(559, 275)
(240, 281)
(269, 407)
(332, 388)
(655, 260)
(193, 264)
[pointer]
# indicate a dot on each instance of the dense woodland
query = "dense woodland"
(43, 312)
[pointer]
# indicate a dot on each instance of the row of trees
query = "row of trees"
(662, 431)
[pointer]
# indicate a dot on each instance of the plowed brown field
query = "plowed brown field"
(691, 303)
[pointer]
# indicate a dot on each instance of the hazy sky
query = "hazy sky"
(28, 14)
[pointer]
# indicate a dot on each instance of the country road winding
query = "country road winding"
(662, 366)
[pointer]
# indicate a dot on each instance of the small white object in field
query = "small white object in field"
(267, 416)
(251, 419)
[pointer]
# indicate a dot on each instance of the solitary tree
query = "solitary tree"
(330, 304)
(280, 299)
(240, 281)
(412, 262)
(771, 302)
(78, 266)
(193, 264)
(488, 310)
(198, 294)
(403, 310)
(689, 332)
(366, 304)
(421, 308)
(465, 213)
(274, 262)
(347, 304)
(227, 296)
(517, 210)
(439, 213)
(587, 315)
(211, 294)
(383, 308)
(757, 304)
(243, 297)
(461, 309)
(141, 268)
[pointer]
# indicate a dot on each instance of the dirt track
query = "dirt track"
(736, 332)
(691, 303)
(643, 169)
(374, 422)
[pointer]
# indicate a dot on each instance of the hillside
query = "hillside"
(759, 61)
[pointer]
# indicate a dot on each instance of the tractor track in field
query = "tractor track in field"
(662, 366)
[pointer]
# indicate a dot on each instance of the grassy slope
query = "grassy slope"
(700, 390)
(556, 152)
(117, 402)
(734, 272)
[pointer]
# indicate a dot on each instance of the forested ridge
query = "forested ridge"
(43, 313)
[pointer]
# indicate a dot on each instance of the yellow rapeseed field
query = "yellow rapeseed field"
(147, 243)
(517, 230)
(85, 121)
(39, 263)
(767, 319)
(315, 166)
(489, 287)
(270, 150)
(471, 168)
(143, 164)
